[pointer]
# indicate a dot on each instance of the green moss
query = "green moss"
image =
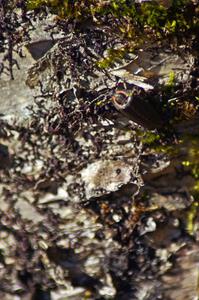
(171, 81)
(132, 22)
(191, 215)
(33, 4)
(169, 88)
(153, 15)
(150, 138)
(191, 163)
(131, 17)
(63, 8)
(154, 141)
(114, 55)
(129, 21)
(187, 148)
(197, 98)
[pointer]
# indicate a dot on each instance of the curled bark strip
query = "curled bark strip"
(137, 110)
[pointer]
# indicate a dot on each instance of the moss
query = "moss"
(171, 81)
(196, 188)
(154, 141)
(197, 99)
(63, 8)
(187, 148)
(134, 23)
(151, 14)
(191, 215)
(191, 163)
(150, 138)
(114, 55)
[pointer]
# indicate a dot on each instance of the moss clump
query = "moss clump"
(190, 218)
(114, 55)
(150, 138)
(191, 162)
(131, 23)
(130, 16)
(171, 81)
